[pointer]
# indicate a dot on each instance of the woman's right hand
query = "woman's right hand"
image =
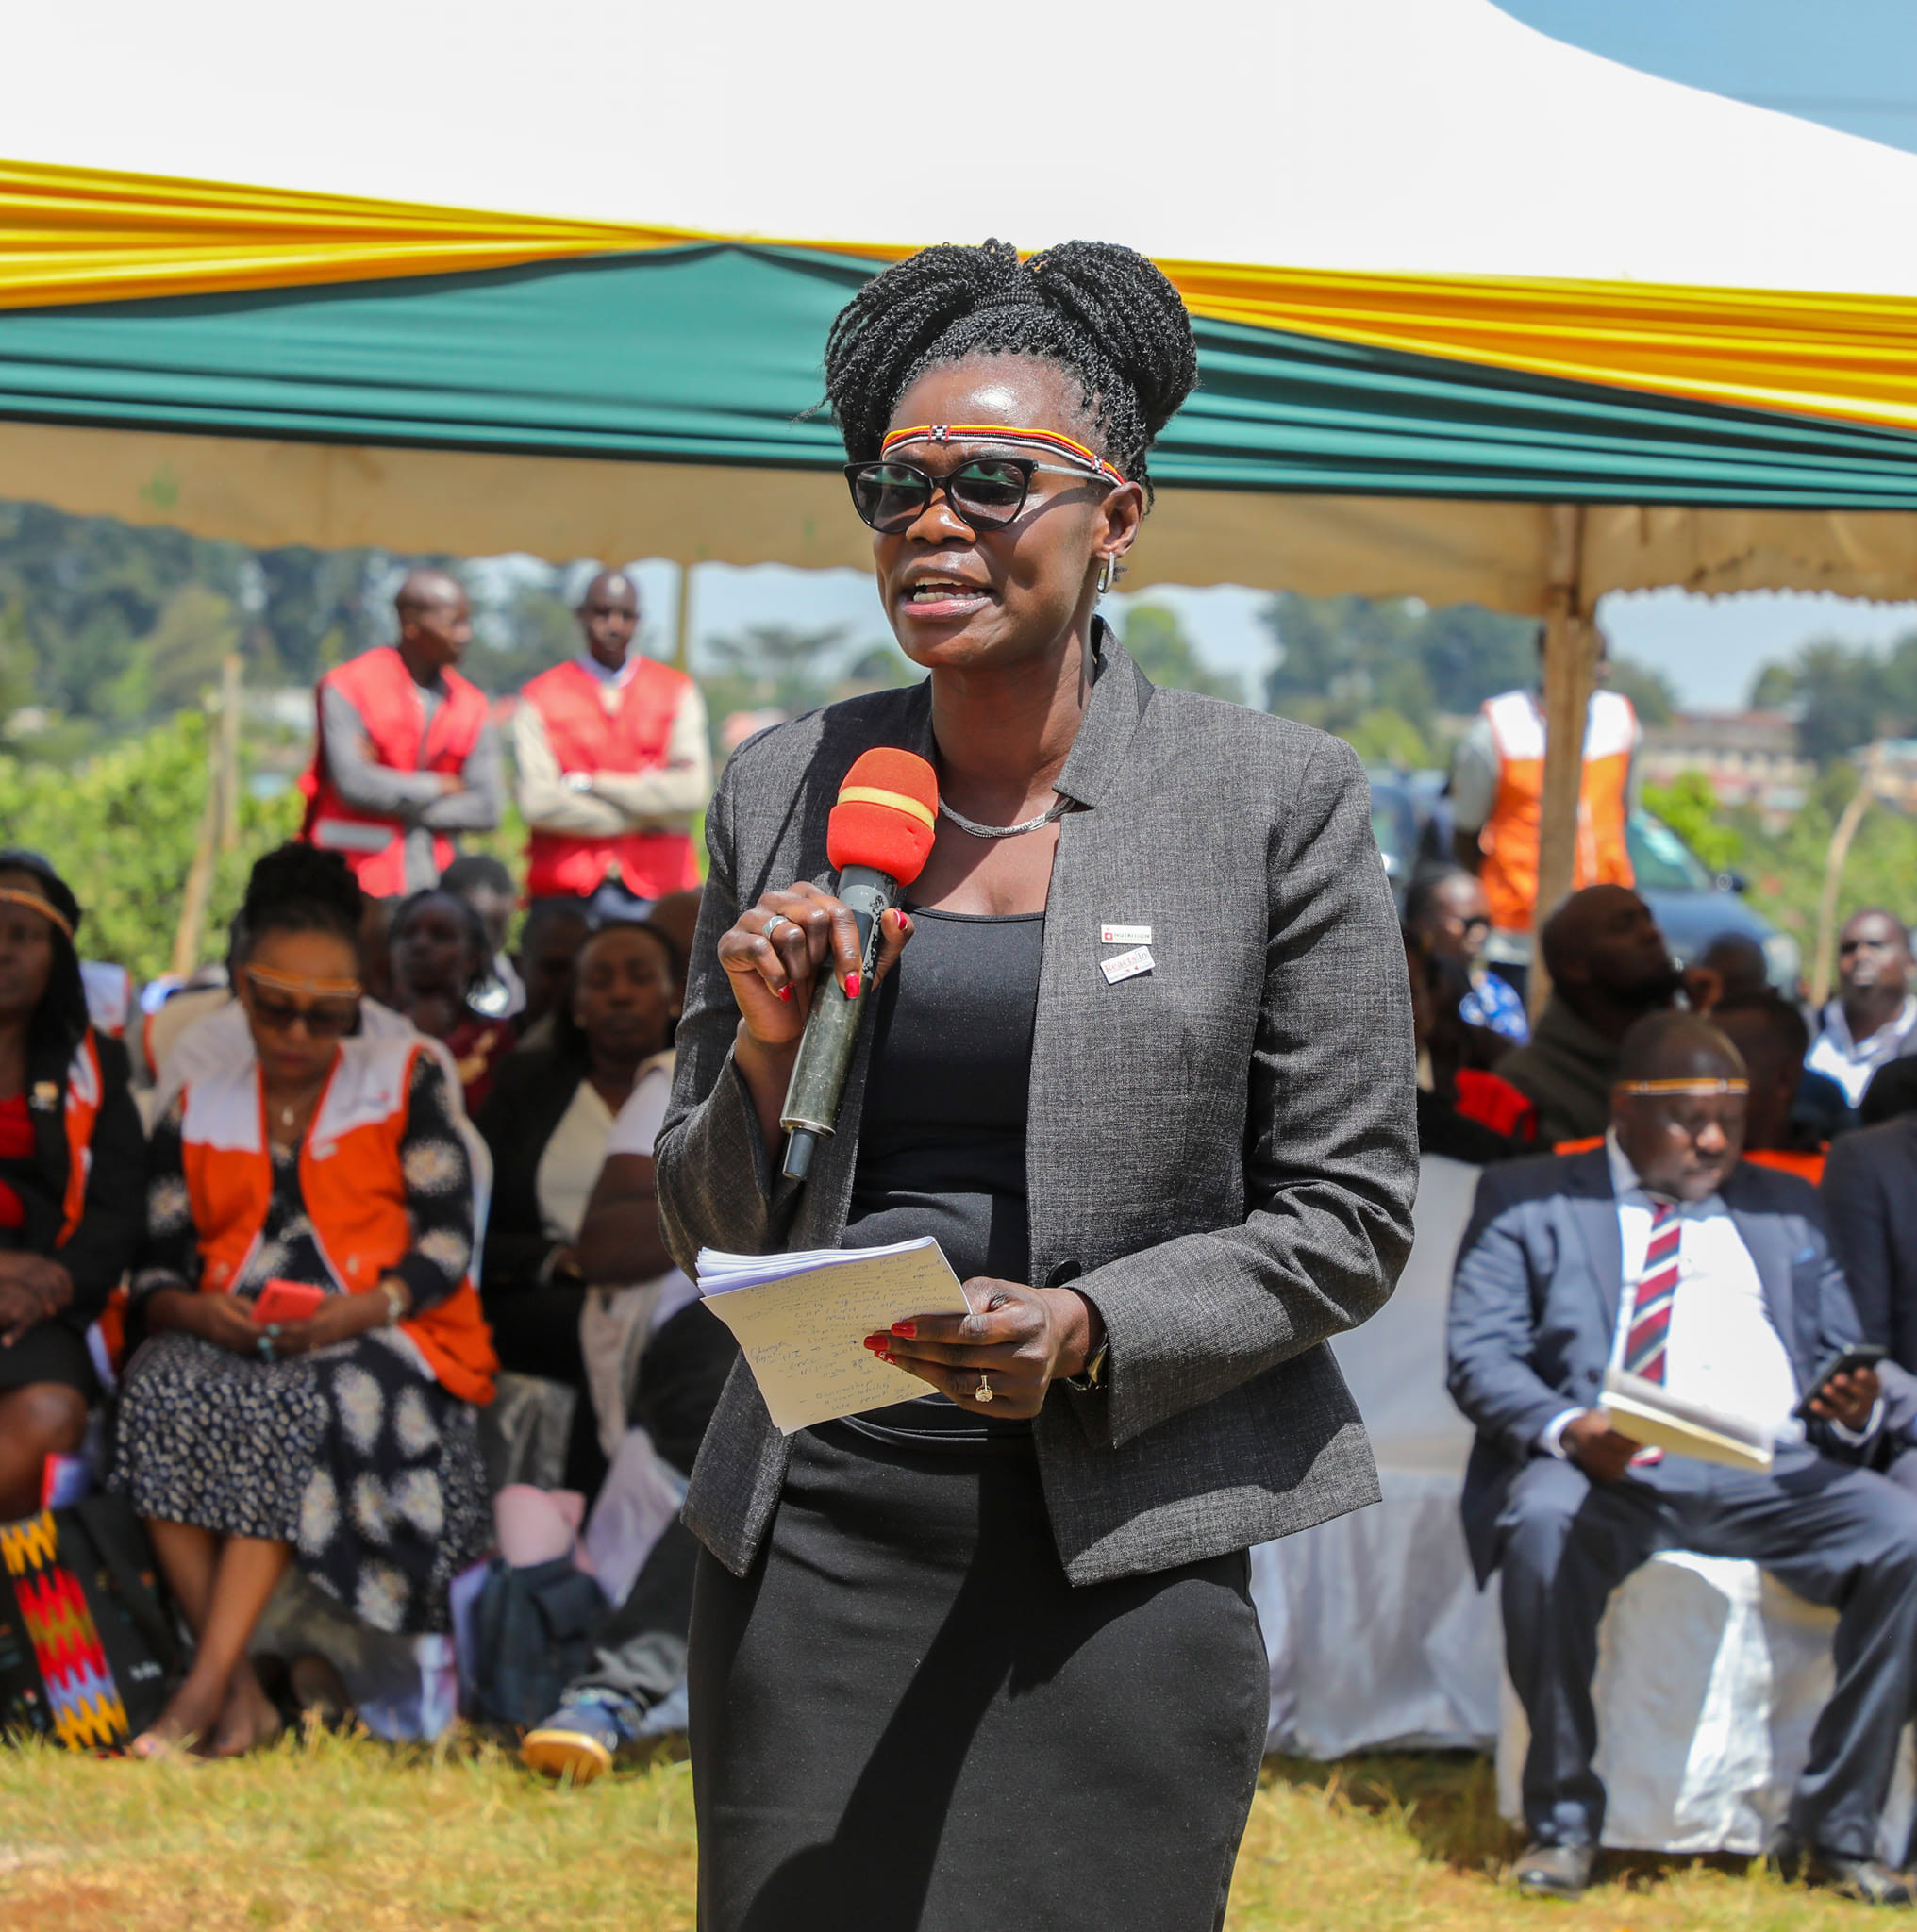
(773, 974)
(215, 1318)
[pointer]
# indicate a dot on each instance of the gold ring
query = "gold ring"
(983, 1392)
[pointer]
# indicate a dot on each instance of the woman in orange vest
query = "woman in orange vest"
(328, 1170)
(69, 1170)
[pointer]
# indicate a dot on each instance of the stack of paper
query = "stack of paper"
(1648, 1413)
(802, 1320)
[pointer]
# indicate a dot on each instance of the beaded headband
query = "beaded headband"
(1047, 439)
(1707, 1089)
(45, 907)
(315, 989)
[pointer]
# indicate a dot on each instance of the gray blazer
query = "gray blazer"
(1221, 1153)
(1534, 1307)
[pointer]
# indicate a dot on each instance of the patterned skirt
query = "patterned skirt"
(352, 1455)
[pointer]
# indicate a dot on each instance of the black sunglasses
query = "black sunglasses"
(986, 493)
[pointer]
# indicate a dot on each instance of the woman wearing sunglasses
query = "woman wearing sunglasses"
(70, 1148)
(1141, 1060)
(314, 1343)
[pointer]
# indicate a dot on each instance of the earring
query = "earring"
(1108, 573)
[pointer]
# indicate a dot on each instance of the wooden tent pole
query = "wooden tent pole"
(682, 642)
(1570, 674)
(1824, 961)
(228, 786)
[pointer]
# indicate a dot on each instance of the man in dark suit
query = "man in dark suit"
(1869, 1200)
(1661, 1254)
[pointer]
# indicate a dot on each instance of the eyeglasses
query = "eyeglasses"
(324, 1018)
(986, 493)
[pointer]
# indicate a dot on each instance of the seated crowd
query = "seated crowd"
(303, 1311)
(1721, 1200)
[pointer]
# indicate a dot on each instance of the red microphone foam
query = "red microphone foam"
(886, 815)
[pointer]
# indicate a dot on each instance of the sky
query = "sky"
(1851, 64)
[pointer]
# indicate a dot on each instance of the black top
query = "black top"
(941, 1139)
(532, 1088)
(104, 1242)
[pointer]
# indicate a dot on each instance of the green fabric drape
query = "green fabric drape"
(712, 354)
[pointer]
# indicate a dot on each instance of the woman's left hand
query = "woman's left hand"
(1020, 1340)
(342, 1316)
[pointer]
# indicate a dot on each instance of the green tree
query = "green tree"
(1652, 694)
(122, 830)
(1156, 640)
(1342, 659)
(1845, 694)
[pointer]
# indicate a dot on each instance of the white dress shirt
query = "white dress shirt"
(1723, 1351)
(1852, 1062)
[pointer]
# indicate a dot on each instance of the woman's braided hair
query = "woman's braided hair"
(1100, 312)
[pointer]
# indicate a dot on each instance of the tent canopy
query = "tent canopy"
(1446, 271)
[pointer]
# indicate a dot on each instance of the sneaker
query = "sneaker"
(581, 1741)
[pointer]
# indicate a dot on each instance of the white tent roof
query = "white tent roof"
(1436, 136)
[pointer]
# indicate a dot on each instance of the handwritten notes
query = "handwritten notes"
(802, 1319)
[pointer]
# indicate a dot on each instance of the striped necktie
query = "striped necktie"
(1650, 1331)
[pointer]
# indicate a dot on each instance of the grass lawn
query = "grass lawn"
(339, 1833)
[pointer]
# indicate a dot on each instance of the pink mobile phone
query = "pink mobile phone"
(287, 1301)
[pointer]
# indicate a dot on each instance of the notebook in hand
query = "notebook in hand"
(1648, 1413)
(801, 1321)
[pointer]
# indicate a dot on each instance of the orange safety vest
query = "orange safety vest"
(585, 737)
(353, 1185)
(1509, 838)
(379, 686)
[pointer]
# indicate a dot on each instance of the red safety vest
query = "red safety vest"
(379, 686)
(352, 1181)
(1510, 834)
(585, 737)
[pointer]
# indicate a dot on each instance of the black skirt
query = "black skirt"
(905, 1720)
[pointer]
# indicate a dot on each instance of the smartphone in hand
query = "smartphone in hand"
(288, 1301)
(1860, 1355)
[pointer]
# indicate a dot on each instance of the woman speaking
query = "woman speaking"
(1141, 1060)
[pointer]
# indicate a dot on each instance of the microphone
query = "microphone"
(880, 837)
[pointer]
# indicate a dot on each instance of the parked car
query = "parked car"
(1692, 906)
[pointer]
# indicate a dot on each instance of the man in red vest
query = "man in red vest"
(613, 766)
(406, 754)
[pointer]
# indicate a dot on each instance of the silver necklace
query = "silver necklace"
(1058, 809)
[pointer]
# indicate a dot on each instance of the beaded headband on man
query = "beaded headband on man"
(1047, 439)
(45, 907)
(1704, 1088)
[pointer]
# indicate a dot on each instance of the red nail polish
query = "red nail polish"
(852, 986)
(906, 1328)
(785, 992)
(886, 1355)
(905, 925)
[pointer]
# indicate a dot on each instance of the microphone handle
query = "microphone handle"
(832, 1026)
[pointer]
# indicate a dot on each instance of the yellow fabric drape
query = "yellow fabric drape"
(88, 235)
(1852, 356)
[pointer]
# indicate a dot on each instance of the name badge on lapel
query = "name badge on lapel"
(1112, 935)
(1126, 965)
